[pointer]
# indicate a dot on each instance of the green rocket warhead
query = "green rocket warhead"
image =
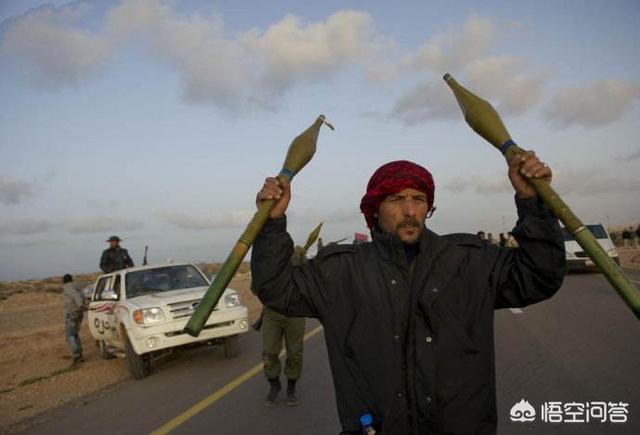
(484, 120)
(313, 236)
(479, 114)
(300, 152)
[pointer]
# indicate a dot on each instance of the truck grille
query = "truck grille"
(182, 309)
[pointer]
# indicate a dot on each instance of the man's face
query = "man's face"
(403, 214)
(114, 244)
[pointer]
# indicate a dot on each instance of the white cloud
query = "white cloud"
(593, 104)
(212, 68)
(503, 79)
(207, 222)
(24, 227)
(249, 68)
(14, 191)
(101, 224)
(51, 49)
(293, 50)
(426, 101)
(453, 50)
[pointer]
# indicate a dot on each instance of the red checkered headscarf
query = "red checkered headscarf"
(393, 178)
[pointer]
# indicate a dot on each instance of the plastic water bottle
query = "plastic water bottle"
(366, 421)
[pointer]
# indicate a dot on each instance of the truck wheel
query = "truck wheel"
(139, 365)
(231, 349)
(104, 350)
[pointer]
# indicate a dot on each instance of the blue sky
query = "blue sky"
(158, 121)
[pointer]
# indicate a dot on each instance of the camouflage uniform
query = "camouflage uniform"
(115, 259)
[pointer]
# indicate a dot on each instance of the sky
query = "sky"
(158, 120)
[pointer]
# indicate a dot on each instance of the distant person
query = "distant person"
(626, 237)
(490, 239)
(73, 311)
(115, 257)
(637, 238)
(503, 240)
(275, 328)
(511, 241)
(481, 235)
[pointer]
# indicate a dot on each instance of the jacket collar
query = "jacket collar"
(391, 249)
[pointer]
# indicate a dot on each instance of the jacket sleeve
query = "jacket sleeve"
(296, 291)
(534, 270)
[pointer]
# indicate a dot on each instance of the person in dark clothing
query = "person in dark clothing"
(408, 318)
(503, 240)
(115, 258)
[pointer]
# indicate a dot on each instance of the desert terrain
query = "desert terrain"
(35, 365)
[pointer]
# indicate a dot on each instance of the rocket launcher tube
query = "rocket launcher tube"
(484, 120)
(300, 152)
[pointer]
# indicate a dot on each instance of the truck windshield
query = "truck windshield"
(163, 279)
(597, 230)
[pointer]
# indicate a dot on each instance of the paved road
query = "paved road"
(581, 346)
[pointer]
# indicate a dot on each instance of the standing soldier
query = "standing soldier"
(275, 327)
(115, 258)
(73, 313)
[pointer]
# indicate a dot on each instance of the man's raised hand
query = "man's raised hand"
(273, 189)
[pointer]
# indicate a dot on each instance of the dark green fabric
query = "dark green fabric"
(275, 328)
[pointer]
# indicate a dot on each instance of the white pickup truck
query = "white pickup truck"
(141, 312)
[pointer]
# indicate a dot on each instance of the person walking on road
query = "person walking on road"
(74, 304)
(408, 317)
(275, 328)
(115, 257)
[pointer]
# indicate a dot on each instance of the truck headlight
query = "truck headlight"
(148, 315)
(232, 300)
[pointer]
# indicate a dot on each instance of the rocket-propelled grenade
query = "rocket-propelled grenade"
(484, 120)
(300, 152)
(313, 236)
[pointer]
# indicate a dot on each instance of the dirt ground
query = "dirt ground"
(35, 366)
(629, 257)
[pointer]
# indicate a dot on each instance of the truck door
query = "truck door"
(102, 321)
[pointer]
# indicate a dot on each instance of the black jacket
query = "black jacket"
(115, 259)
(419, 355)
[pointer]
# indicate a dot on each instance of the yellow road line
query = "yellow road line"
(218, 394)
